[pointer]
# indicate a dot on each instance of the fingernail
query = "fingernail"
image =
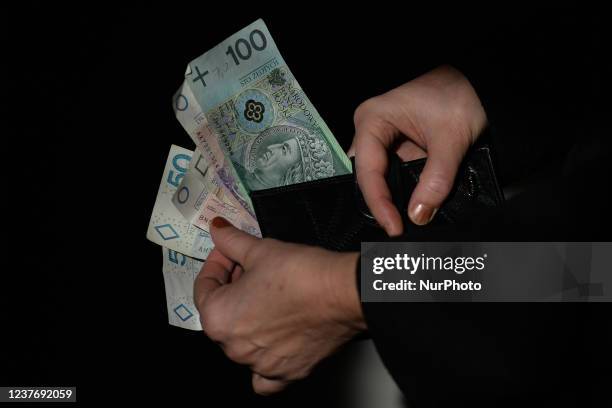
(220, 222)
(422, 214)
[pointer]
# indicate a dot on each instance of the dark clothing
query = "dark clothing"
(541, 86)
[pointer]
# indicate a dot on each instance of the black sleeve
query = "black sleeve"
(536, 75)
(540, 86)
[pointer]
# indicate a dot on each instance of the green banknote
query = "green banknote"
(253, 120)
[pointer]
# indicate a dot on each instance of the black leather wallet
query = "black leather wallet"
(332, 212)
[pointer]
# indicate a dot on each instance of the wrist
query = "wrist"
(472, 111)
(344, 294)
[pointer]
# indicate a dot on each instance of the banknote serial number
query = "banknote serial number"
(38, 393)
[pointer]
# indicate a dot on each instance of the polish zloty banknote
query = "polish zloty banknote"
(207, 173)
(180, 272)
(200, 198)
(245, 106)
(167, 226)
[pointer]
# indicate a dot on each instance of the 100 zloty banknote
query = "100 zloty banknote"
(244, 109)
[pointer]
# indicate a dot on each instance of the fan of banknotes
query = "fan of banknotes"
(253, 129)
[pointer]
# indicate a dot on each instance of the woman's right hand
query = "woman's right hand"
(437, 115)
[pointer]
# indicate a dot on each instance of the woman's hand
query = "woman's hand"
(279, 308)
(437, 115)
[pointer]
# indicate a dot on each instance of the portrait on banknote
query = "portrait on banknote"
(284, 155)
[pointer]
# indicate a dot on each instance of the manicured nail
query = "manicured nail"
(220, 222)
(422, 214)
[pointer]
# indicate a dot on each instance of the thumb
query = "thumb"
(230, 241)
(436, 181)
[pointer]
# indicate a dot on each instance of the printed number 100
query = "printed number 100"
(243, 49)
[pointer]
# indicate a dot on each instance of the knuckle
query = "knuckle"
(300, 374)
(213, 322)
(263, 250)
(253, 253)
(364, 109)
(268, 367)
(236, 353)
(198, 299)
(199, 295)
(438, 185)
(233, 238)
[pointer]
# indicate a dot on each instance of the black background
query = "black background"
(91, 124)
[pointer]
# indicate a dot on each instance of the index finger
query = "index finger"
(214, 273)
(371, 163)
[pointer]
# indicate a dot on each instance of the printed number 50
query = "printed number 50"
(174, 179)
(173, 256)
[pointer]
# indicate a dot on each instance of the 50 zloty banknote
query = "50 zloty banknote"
(180, 272)
(177, 236)
(168, 227)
